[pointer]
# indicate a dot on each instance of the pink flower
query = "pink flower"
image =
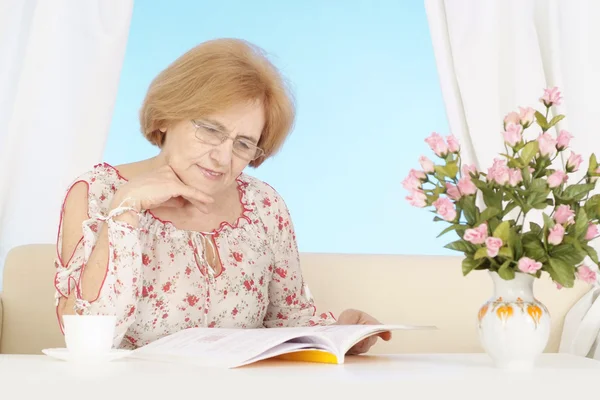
(592, 232)
(466, 186)
(437, 144)
(453, 144)
(477, 235)
(556, 234)
(467, 170)
(547, 144)
(584, 273)
(452, 191)
(411, 183)
(417, 199)
(574, 162)
(564, 214)
(512, 118)
(499, 172)
(493, 246)
(557, 178)
(563, 140)
(426, 164)
(445, 208)
(558, 285)
(526, 116)
(551, 97)
(528, 265)
(420, 175)
(513, 134)
(514, 177)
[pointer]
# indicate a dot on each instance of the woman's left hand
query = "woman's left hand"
(357, 317)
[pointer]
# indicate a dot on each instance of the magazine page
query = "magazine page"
(345, 336)
(236, 347)
(217, 346)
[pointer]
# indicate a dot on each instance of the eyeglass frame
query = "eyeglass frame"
(225, 136)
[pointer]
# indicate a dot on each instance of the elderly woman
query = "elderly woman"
(186, 238)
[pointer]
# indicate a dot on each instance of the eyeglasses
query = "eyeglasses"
(212, 135)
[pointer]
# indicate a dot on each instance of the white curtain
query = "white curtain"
(494, 56)
(60, 63)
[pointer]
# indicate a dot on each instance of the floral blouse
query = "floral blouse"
(158, 281)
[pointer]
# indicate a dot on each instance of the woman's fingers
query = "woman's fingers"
(196, 197)
(174, 202)
(193, 195)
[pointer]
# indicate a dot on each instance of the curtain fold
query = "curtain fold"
(59, 75)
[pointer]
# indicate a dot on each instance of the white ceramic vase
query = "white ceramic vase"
(514, 327)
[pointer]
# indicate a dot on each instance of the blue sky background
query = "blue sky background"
(365, 80)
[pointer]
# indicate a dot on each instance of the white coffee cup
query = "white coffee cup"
(89, 334)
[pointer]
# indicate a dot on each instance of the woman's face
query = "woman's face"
(195, 152)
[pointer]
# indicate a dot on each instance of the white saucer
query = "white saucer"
(63, 354)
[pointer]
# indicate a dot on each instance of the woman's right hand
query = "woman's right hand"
(160, 187)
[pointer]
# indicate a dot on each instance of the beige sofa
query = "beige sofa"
(427, 290)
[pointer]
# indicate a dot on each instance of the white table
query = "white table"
(418, 376)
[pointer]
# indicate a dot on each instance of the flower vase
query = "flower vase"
(514, 327)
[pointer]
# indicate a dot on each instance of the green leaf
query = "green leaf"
(479, 184)
(461, 245)
(480, 253)
(535, 228)
(538, 192)
(577, 192)
(515, 243)
(526, 174)
(555, 120)
(452, 168)
(501, 232)
(534, 249)
(529, 151)
(449, 229)
(548, 222)
(506, 272)
(567, 253)
(470, 210)
(460, 231)
(592, 206)
(506, 252)
(541, 120)
(561, 272)
(493, 223)
(492, 198)
(593, 164)
(468, 265)
(581, 223)
(540, 206)
(538, 185)
(440, 172)
(449, 170)
(592, 253)
(488, 213)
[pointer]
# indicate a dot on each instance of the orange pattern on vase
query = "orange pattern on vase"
(520, 303)
(535, 313)
(482, 312)
(504, 312)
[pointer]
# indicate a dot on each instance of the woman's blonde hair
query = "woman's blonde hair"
(211, 77)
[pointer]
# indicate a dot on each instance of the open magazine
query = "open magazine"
(232, 348)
